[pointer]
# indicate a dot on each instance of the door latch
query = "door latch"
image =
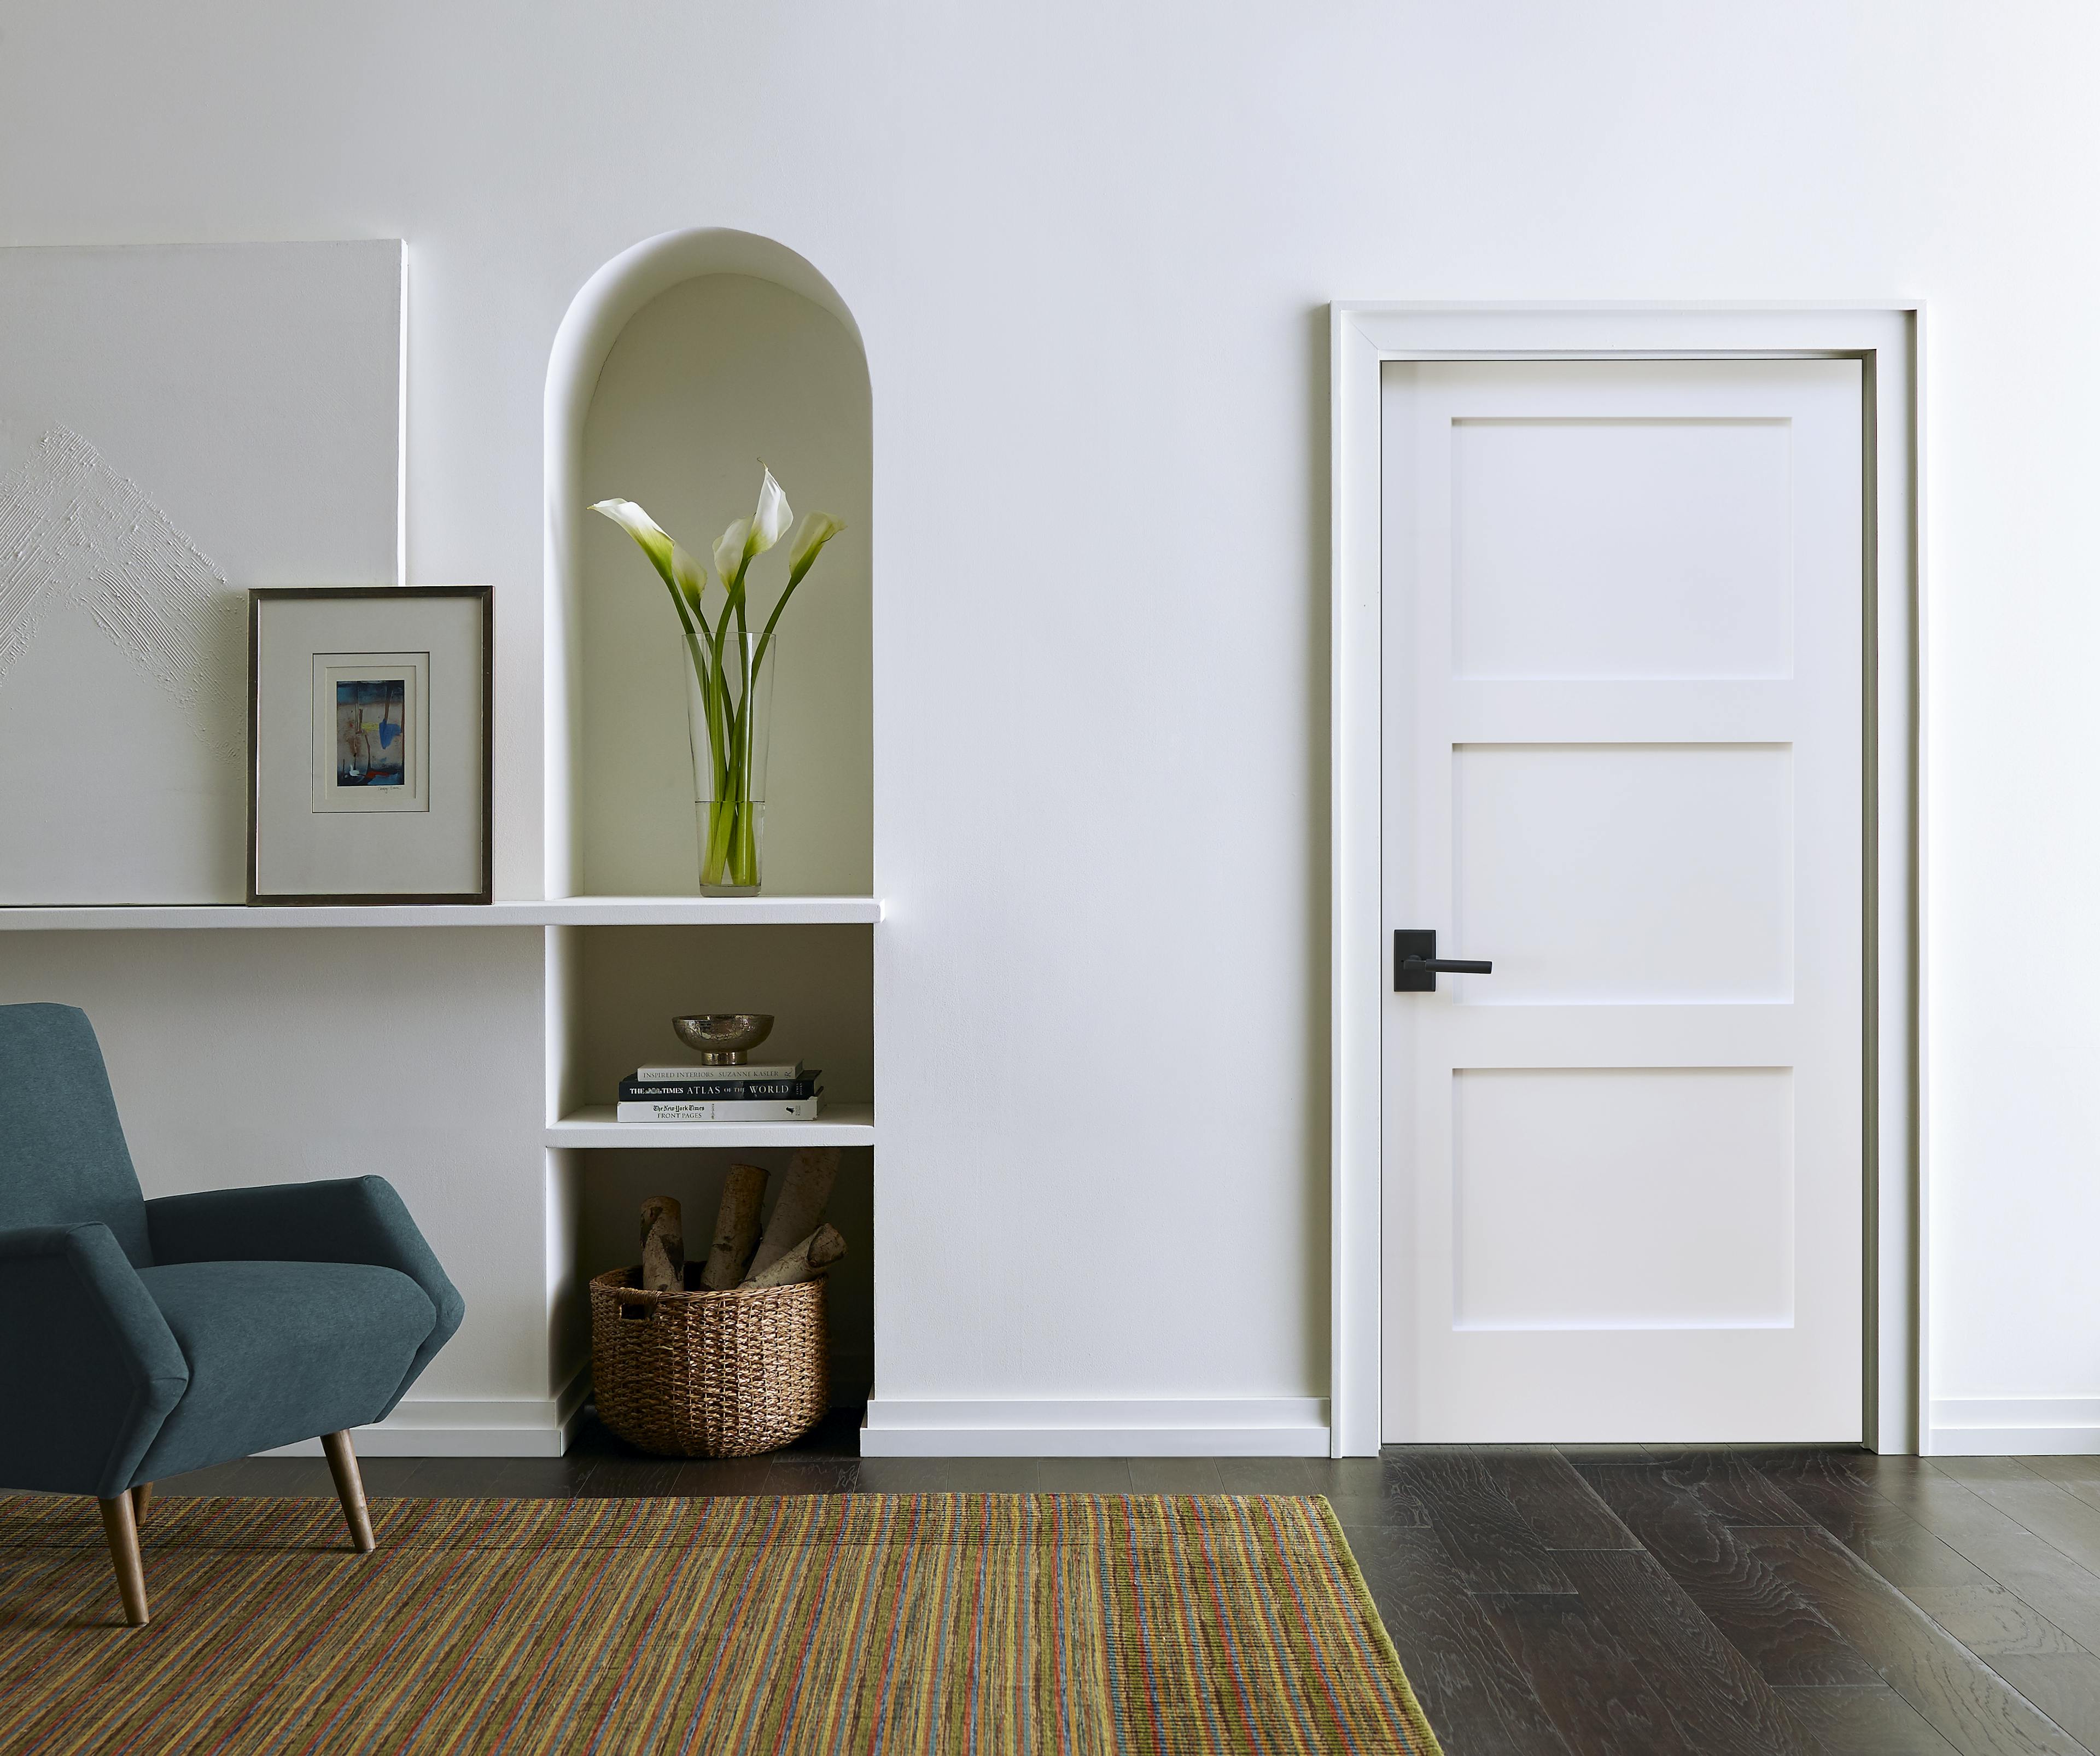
(1415, 964)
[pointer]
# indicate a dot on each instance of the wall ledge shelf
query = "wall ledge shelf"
(840, 1125)
(560, 912)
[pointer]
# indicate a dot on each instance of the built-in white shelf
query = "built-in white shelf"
(838, 1125)
(560, 911)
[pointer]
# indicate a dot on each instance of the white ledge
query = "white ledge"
(838, 1125)
(560, 911)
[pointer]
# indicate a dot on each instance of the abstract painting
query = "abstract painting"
(371, 726)
(370, 714)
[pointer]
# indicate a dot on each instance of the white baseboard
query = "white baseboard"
(1246, 1426)
(467, 1426)
(2014, 1427)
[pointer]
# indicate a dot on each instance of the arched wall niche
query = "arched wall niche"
(679, 364)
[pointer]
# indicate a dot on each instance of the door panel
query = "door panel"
(1621, 548)
(1623, 751)
(1632, 1197)
(1622, 874)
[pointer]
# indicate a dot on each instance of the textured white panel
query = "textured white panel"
(178, 423)
(1645, 1198)
(1621, 548)
(1625, 873)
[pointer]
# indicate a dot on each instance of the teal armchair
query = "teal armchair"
(141, 1339)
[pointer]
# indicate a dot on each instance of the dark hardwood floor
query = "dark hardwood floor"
(1574, 1602)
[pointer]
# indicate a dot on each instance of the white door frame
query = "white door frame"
(1887, 339)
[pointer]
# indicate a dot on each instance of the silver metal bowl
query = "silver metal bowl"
(723, 1039)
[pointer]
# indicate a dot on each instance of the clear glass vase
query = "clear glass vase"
(730, 736)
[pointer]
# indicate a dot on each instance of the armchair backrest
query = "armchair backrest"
(63, 1160)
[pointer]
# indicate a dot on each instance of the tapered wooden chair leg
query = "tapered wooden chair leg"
(122, 1530)
(349, 1490)
(142, 1498)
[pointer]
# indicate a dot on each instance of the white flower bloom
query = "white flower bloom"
(770, 523)
(816, 529)
(655, 540)
(730, 550)
(686, 576)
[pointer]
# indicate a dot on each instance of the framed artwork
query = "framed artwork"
(369, 752)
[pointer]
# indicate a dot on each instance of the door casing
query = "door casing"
(1887, 338)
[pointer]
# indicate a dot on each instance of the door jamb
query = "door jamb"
(1888, 337)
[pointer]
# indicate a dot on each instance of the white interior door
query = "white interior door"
(1623, 725)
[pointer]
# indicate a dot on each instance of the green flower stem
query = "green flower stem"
(689, 613)
(731, 849)
(765, 639)
(721, 824)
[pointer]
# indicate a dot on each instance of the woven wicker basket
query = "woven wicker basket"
(708, 1374)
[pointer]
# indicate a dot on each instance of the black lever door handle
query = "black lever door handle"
(1415, 963)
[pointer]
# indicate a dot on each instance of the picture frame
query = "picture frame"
(370, 749)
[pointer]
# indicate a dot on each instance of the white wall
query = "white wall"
(290, 1055)
(1086, 246)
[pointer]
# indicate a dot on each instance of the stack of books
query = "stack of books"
(782, 1092)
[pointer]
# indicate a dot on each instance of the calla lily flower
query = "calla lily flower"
(770, 523)
(816, 529)
(749, 538)
(679, 569)
(732, 551)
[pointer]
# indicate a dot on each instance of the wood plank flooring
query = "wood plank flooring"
(1570, 1602)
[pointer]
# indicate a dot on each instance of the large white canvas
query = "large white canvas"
(177, 424)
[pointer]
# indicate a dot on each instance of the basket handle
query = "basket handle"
(630, 1297)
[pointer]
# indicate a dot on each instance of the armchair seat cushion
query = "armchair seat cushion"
(280, 1351)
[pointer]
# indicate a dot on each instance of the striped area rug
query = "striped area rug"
(864, 1624)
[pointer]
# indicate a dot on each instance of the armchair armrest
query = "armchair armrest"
(89, 1368)
(348, 1219)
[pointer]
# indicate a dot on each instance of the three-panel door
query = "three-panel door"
(1623, 761)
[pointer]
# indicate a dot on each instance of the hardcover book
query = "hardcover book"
(639, 1091)
(723, 1110)
(673, 1075)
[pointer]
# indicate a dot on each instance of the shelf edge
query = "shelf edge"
(594, 1129)
(698, 912)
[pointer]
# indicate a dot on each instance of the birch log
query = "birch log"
(736, 1228)
(806, 1261)
(799, 1210)
(663, 1245)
